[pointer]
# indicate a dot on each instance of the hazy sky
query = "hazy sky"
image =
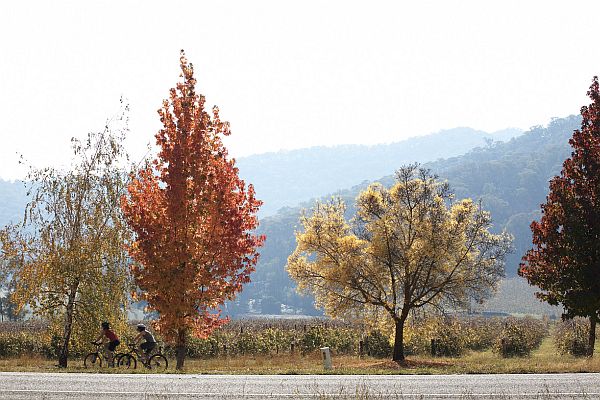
(290, 74)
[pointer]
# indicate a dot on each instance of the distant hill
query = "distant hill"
(510, 178)
(286, 178)
(516, 296)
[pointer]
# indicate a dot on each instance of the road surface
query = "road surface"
(54, 386)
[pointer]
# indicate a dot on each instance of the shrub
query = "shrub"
(571, 337)
(448, 339)
(481, 333)
(276, 340)
(201, 348)
(247, 343)
(377, 345)
(342, 340)
(418, 334)
(416, 343)
(451, 337)
(52, 348)
(20, 343)
(519, 337)
(268, 337)
(312, 339)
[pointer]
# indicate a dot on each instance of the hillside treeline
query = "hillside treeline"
(511, 180)
(315, 171)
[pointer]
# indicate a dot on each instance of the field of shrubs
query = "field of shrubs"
(442, 337)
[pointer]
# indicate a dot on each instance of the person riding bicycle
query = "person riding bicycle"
(111, 342)
(150, 342)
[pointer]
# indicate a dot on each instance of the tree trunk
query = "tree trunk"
(63, 355)
(399, 341)
(592, 337)
(180, 349)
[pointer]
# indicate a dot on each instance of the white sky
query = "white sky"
(290, 74)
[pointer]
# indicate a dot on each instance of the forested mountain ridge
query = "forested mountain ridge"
(287, 178)
(511, 180)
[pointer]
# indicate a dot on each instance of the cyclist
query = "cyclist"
(110, 338)
(148, 345)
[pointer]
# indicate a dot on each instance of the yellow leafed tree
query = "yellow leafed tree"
(408, 247)
(67, 260)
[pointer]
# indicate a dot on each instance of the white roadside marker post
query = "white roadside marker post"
(326, 358)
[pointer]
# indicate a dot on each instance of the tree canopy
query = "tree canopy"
(408, 247)
(67, 260)
(193, 219)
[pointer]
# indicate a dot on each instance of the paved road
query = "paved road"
(17, 386)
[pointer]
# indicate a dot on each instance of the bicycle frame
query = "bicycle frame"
(97, 357)
(134, 354)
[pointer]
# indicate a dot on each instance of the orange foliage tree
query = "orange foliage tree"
(193, 219)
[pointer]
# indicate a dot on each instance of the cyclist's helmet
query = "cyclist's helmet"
(141, 327)
(105, 325)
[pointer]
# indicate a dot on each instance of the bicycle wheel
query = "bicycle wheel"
(127, 361)
(92, 360)
(116, 357)
(158, 362)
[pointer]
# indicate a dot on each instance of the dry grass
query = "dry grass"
(543, 360)
(27, 364)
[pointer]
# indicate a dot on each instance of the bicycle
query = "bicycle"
(157, 361)
(95, 358)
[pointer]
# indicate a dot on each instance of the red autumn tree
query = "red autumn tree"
(193, 219)
(565, 260)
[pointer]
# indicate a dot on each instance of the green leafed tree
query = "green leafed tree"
(408, 247)
(67, 259)
(565, 259)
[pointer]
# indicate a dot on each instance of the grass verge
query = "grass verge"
(543, 360)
